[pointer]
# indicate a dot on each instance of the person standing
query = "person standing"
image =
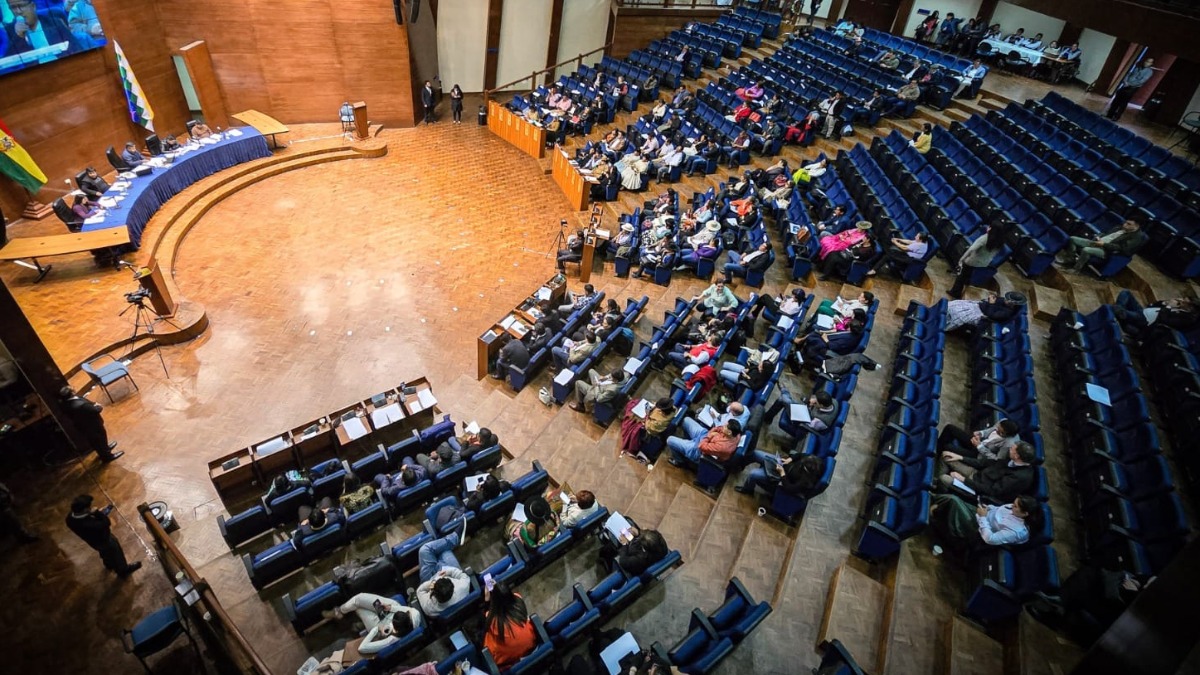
(456, 103)
(9, 521)
(1137, 76)
(85, 415)
(427, 100)
(93, 527)
(981, 254)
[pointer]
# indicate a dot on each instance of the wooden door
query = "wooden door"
(878, 14)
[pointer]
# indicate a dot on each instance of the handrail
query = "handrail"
(673, 4)
(532, 77)
(212, 613)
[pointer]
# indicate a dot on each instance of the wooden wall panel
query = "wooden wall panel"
(636, 28)
(66, 113)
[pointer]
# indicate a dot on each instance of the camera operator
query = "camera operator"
(85, 415)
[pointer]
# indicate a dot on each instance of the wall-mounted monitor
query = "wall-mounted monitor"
(33, 32)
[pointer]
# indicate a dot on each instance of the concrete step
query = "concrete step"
(763, 555)
(992, 104)
(1045, 302)
(970, 651)
(1041, 651)
(854, 614)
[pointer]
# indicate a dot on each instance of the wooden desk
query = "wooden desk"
(237, 480)
(60, 244)
(526, 136)
(489, 343)
(574, 184)
(344, 437)
(265, 124)
(314, 442)
(591, 240)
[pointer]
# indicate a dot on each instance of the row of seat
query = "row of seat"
(1172, 361)
(712, 637)
(710, 50)
(564, 384)
(752, 30)
(518, 377)
(898, 505)
(771, 22)
(1132, 517)
(904, 45)
(852, 76)
(669, 71)
(584, 89)
(609, 81)
(864, 56)
(729, 40)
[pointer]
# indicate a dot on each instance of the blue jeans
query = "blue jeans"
(559, 354)
(694, 163)
(734, 267)
(729, 373)
(437, 554)
(687, 449)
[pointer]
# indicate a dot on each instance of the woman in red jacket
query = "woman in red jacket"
(508, 632)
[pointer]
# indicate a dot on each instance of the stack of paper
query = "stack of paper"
(824, 321)
(426, 398)
(518, 514)
(612, 654)
(632, 365)
(564, 376)
(354, 428)
(543, 293)
(785, 322)
(800, 413)
(473, 427)
(381, 417)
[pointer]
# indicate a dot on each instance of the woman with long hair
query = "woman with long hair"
(456, 103)
(507, 631)
(981, 254)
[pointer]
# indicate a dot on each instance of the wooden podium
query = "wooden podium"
(361, 127)
(151, 279)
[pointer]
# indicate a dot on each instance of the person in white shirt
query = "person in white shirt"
(1032, 43)
(903, 251)
(580, 505)
(386, 620)
(955, 523)
(972, 77)
(669, 158)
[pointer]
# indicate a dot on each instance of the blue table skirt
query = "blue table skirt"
(147, 194)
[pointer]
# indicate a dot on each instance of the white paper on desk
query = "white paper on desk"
(472, 482)
(707, 416)
(963, 486)
(612, 654)
(208, 141)
(785, 322)
(473, 427)
(98, 218)
(233, 132)
(354, 428)
(799, 413)
(127, 175)
(543, 293)
(381, 417)
(1098, 394)
(508, 321)
(824, 321)
(617, 525)
(274, 445)
(426, 398)
(632, 365)
(642, 408)
(518, 514)
(603, 234)
(564, 376)
(108, 202)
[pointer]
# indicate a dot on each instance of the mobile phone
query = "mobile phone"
(379, 608)
(488, 582)
(107, 510)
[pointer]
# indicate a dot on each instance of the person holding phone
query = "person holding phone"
(386, 620)
(93, 527)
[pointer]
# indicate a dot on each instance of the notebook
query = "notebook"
(612, 654)
(471, 483)
(800, 413)
(616, 525)
(642, 408)
(381, 417)
(354, 428)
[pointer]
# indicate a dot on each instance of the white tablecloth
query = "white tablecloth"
(1033, 56)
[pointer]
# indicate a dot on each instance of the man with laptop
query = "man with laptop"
(800, 419)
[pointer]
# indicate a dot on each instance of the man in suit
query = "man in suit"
(92, 526)
(997, 480)
(93, 184)
(131, 156)
(757, 260)
(428, 101)
(1124, 240)
(513, 353)
(85, 415)
(32, 29)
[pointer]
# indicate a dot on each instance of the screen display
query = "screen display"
(41, 31)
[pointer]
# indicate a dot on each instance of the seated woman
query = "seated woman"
(355, 495)
(966, 528)
(200, 130)
(795, 476)
(655, 424)
(753, 375)
(83, 208)
(540, 525)
(508, 633)
(576, 507)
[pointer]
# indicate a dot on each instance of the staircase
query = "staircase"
(970, 651)
(858, 612)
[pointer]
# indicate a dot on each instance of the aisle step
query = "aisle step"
(970, 651)
(763, 556)
(685, 517)
(1041, 651)
(854, 613)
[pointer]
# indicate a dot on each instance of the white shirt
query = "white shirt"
(1000, 526)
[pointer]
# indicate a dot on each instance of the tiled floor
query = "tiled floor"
(328, 284)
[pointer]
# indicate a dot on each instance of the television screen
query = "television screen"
(41, 31)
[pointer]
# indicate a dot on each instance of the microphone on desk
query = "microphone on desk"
(126, 264)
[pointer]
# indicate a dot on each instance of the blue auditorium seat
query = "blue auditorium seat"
(1002, 581)
(739, 615)
(572, 621)
(305, 611)
(699, 652)
(247, 525)
(891, 521)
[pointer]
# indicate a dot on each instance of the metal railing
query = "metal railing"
(532, 78)
(675, 4)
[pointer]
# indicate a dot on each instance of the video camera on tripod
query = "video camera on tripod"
(136, 297)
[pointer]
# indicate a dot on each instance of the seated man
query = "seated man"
(888, 60)
(779, 305)
(314, 520)
(820, 345)
(992, 480)
(795, 476)
(390, 486)
(443, 583)
(572, 353)
(200, 130)
(904, 97)
(1124, 240)
(720, 442)
(991, 443)
(386, 621)
(572, 253)
(755, 373)
(971, 80)
(902, 252)
(469, 444)
(740, 264)
(131, 156)
(1177, 313)
(959, 525)
(93, 185)
(355, 495)
(822, 411)
(577, 301)
(634, 552)
(513, 353)
(971, 313)
(434, 462)
(596, 389)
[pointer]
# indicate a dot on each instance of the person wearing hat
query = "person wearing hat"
(540, 524)
(93, 527)
(840, 251)
(85, 415)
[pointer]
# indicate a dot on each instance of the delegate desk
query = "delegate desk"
(525, 135)
(517, 323)
(1032, 56)
(265, 124)
(137, 203)
(348, 434)
(574, 183)
(60, 244)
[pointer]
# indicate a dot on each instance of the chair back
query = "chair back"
(66, 215)
(115, 159)
(154, 145)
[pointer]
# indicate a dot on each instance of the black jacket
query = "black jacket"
(93, 528)
(515, 353)
(93, 187)
(997, 481)
(636, 557)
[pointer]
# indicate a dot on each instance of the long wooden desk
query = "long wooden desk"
(264, 123)
(60, 244)
(574, 184)
(526, 136)
(516, 323)
(348, 433)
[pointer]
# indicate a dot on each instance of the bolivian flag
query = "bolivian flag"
(17, 164)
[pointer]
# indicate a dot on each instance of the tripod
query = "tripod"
(143, 321)
(560, 242)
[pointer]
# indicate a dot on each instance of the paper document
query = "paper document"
(98, 218)
(518, 514)
(381, 417)
(473, 427)
(274, 445)
(824, 321)
(426, 398)
(617, 525)
(707, 416)
(612, 654)
(1098, 394)
(508, 321)
(799, 413)
(564, 376)
(108, 202)
(603, 234)
(785, 322)
(838, 305)
(458, 640)
(354, 428)
(642, 408)
(543, 293)
(963, 486)
(471, 483)
(632, 365)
